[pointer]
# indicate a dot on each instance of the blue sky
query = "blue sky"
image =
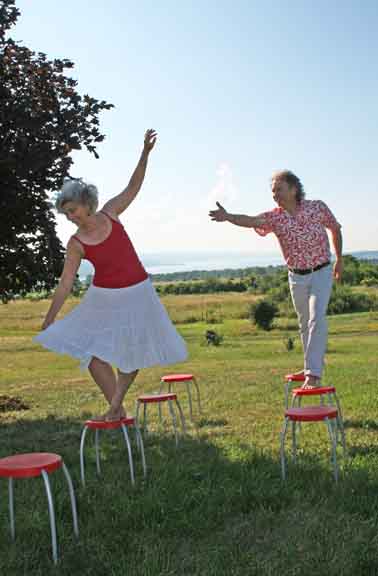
(236, 89)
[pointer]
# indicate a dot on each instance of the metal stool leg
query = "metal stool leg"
(340, 424)
(189, 400)
(335, 422)
(50, 501)
(181, 413)
(11, 508)
(72, 498)
(198, 394)
(125, 433)
(333, 448)
(173, 416)
(282, 449)
(82, 440)
(137, 407)
(294, 440)
(140, 445)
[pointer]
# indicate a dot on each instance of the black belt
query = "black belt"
(303, 272)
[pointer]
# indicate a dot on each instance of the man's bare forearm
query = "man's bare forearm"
(244, 220)
(337, 240)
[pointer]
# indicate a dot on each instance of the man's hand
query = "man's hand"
(219, 215)
(338, 270)
(149, 140)
(47, 322)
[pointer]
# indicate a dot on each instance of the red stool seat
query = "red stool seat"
(109, 424)
(29, 465)
(177, 377)
(147, 398)
(32, 465)
(169, 397)
(318, 390)
(311, 413)
(295, 377)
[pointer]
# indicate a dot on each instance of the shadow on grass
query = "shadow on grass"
(371, 450)
(363, 424)
(204, 509)
(212, 422)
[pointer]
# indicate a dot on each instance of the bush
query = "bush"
(289, 343)
(213, 338)
(344, 300)
(263, 313)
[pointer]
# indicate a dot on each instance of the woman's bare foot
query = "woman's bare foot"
(113, 414)
(311, 382)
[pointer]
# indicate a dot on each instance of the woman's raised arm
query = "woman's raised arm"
(119, 203)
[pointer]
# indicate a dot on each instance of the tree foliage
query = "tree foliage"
(42, 119)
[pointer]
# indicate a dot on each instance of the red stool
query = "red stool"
(147, 399)
(188, 379)
(330, 393)
(38, 464)
(123, 424)
(308, 414)
(322, 392)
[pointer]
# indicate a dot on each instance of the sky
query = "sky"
(236, 90)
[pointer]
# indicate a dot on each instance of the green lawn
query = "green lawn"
(217, 505)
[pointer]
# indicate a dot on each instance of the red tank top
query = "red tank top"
(115, 261)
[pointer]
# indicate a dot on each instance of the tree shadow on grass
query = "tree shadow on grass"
(204, 509)
(367, 424)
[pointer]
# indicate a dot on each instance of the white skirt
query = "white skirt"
(127, 327)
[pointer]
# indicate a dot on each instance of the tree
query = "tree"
(42, 119)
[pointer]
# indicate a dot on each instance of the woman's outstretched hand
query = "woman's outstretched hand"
(149, 140)
(219, 215)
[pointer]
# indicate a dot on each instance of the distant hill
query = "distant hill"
(183, 265)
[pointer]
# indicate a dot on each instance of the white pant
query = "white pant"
(310, 294)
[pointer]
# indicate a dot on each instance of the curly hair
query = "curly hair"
(78, 191)
(291, 180)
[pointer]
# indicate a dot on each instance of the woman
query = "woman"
(120, 321)
(300, 226)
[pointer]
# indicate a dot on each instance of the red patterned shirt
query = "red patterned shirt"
(302, 236)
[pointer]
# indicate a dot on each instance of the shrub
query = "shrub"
(289, 343)
(213, 338)
(263, 313)
(344, 300)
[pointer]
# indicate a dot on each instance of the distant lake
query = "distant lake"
(166, 262)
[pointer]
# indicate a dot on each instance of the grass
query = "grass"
(216, 506)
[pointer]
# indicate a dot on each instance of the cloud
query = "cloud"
(225, 190)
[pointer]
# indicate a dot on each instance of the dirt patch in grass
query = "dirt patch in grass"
(12, 404)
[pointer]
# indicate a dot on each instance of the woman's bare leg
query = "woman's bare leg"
(104, 376)
(124, 382)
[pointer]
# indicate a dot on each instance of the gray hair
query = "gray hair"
(75, 190)
(293, 181)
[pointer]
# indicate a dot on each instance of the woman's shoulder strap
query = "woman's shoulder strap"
(110, 217)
